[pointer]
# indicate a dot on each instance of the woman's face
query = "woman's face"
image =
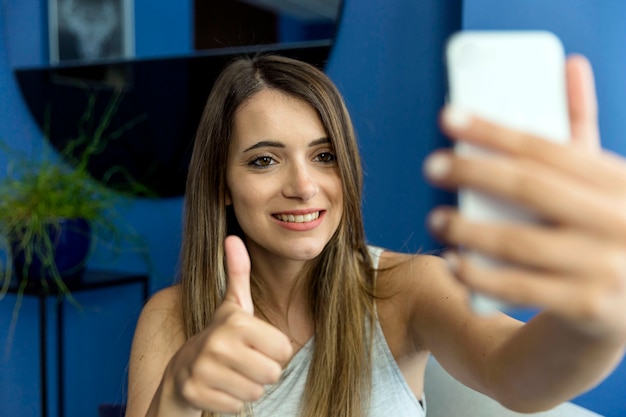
(283, 179)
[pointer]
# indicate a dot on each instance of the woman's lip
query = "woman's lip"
(298, 212)
(302, 225)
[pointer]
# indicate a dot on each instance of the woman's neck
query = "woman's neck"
(281, 299)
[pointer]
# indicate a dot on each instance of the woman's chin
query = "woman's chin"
(305, 254)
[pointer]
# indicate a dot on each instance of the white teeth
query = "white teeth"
(299, 218)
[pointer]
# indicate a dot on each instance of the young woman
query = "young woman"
(284, 309)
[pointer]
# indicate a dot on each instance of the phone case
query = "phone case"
(514, 78)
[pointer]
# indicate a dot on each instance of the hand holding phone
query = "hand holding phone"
(516, 79)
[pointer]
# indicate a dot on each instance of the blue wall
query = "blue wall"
(388, 63)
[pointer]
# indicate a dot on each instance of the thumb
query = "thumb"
(238, 270)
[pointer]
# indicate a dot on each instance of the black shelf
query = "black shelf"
(163, 97)
(90, 279)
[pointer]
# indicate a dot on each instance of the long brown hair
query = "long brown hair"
(339, 283)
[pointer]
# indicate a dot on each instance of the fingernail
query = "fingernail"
(437, 166)
(456, 118)
(452, 261)
(437, 220)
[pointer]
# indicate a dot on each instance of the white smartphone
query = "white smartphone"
(514, 78)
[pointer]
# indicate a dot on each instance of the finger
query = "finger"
(241, 335)
(588, 304)
(253, 348)
(557, 250)
(268, 341)
(583, 105)
(206, 398)
(514, 286)
(238, 269)
(257, 366)
(605, 170)
(224, 379)
(533, 186)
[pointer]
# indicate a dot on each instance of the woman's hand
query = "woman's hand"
(229, 362)
(573, 264)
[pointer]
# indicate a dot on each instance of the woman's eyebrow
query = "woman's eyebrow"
(275, 144)
(265, 144)
(319, 141)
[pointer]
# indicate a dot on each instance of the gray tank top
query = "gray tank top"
(391, 395)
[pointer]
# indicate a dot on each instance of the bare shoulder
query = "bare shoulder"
(419, 279)
(431, 302)
(158, 336)
(399, 278)
(403, 264)
(161, 317)
(166, 300)
(433, 308)
(159, 332)
(434, 298)
(407, 284)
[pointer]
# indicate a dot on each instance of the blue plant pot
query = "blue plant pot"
(71, 244)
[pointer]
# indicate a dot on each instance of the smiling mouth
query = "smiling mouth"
(300, 218)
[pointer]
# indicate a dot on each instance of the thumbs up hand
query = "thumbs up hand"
(238, 267)
(229, 362)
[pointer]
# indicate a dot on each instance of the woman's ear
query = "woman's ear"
(227, 198)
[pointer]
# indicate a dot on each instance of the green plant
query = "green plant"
(38, 193)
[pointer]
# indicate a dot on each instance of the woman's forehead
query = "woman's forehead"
(271, 114)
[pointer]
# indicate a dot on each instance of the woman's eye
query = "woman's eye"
(262, 161)
(325, 157)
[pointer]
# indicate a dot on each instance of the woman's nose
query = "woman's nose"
(300, 183)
